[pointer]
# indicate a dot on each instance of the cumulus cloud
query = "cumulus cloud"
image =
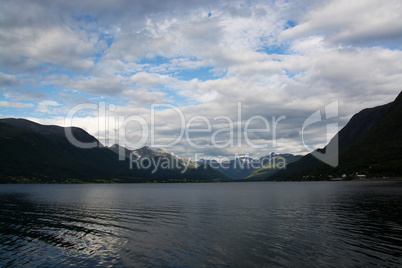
(36, 37)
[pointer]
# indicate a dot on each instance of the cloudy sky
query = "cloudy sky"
(231, 64)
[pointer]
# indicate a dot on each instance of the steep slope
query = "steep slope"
(379, 153)
(370, 143)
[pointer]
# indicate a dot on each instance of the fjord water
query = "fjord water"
(306, 224)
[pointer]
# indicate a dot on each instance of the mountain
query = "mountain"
(34, 152)
(144, 152)
(187, 168)
(370, 144)
(147, 153)
(31, 152)
(274, 165)
(121, 151)
(245, 167)
(235, 169)
(165, 165)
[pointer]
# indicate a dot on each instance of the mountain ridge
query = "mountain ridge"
(370, 144)
(31, 152)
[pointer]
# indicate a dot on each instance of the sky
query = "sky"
(214, 78)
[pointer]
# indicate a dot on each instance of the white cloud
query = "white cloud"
(144, 79)
(15, 104)
(136, 55)
(101, 83)
(144, 98)
(43, 106)
(55, 45)
(356, 22)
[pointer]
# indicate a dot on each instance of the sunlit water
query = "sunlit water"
(309, 224)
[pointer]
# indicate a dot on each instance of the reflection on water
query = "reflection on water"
(311, 224)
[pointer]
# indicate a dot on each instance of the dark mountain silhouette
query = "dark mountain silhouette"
(31, 152)
(370, 144)
(121, 151)
(34, 152)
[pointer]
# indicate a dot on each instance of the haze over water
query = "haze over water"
(312, 224)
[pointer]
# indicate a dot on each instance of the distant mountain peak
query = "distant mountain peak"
(143, 151)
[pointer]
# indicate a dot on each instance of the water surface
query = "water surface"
(275, 224)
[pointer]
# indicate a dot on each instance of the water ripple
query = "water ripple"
(225, 225)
